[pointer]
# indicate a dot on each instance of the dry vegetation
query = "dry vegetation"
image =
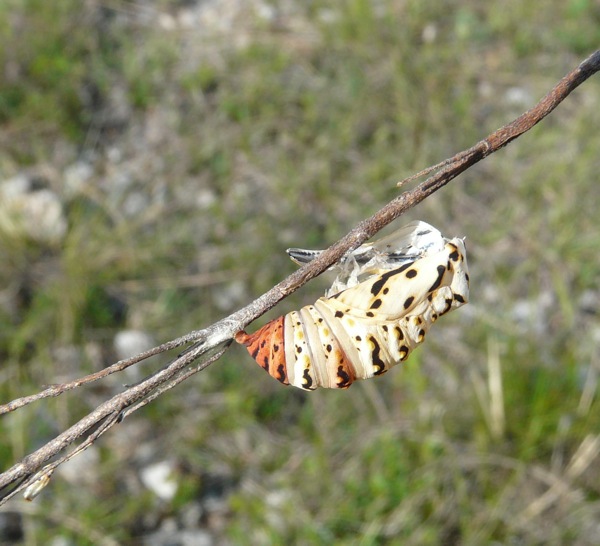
(157, 158)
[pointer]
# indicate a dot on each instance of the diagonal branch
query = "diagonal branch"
(96, 423)
(31, 472)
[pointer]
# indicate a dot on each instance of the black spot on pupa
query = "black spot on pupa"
(376, 304)
(339, 314)
(307, 381)
(399, 333)
(448, 306)
(467, 277)
(375, 351)
(441, 270)
(454, 255)
(281, 375)
(386, 291)
(411, 273)
(358, 338)
(384, 328)
(379, 284)
(298, 349)
(344, 378)
(329, 348)
(459, 298)
(403, 352)
(408, 302)
(370, 314)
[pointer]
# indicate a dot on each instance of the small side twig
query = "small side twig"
(31, 470)
(96, 423)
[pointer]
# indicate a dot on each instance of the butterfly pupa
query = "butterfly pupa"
(415, 276)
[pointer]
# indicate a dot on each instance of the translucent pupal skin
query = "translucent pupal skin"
(406, 244)
(363, 331)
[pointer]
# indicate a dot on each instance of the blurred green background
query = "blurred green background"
(156, 160)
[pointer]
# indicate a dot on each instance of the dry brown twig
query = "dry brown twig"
(210, 343)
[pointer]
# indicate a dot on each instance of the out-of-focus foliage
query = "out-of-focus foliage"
(157, 158)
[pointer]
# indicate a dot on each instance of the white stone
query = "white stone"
(36, 215)
(158, 477)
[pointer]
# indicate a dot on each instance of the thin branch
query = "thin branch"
(96, 423)
(56, 390)
(31, 470)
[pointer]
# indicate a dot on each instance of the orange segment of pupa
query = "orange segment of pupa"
(267, 347)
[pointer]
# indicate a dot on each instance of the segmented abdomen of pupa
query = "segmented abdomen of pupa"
(365, 330)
